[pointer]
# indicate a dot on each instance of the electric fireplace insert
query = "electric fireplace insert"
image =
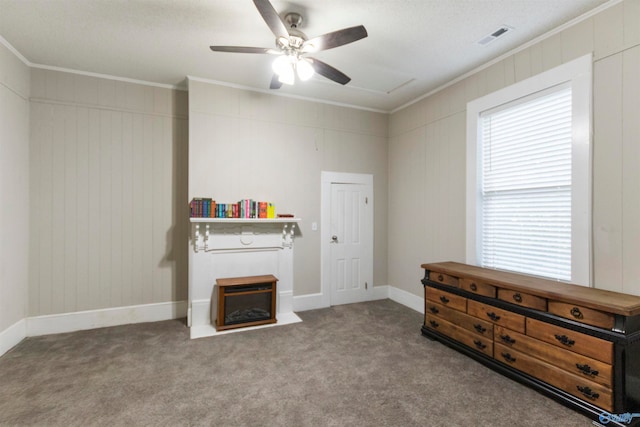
(244, 301)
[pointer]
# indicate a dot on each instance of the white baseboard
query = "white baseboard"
(12, 335)
(408, 299)
(308, 302)
(315, 301)
(380, 292)
(81, 320)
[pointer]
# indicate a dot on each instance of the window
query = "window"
(529, 175)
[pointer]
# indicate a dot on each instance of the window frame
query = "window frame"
(578, 74)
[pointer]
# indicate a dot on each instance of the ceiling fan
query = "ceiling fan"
(292, 45)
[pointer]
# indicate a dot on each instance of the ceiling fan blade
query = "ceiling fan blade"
(335, 39)
(272, 18)
(275, 82)
(243, 49)
(329, 72)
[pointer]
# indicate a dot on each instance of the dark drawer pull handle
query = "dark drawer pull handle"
(478, 327)
(588, 393)
(434, 310)
(479, 344)
(507, 339)
(473, 287)
(493, 316)
(565, 340)
(508, 357)
(440, 278)
(434, 323)
(444, 299)
(517, 297)
(586, 369)
(575, 312)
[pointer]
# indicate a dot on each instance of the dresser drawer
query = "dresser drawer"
(575, 363)
(584, 389)
(478, 287)
(496, 315)
(582, 314)
(570, 340)
(458, 318)
(459, 334)
(445, 298)
(443, 278)
(523, 299)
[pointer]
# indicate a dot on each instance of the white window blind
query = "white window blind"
(525, 186)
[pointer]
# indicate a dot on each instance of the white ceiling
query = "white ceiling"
(414, 46)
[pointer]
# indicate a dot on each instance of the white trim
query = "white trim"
(90, 319)
(308, 302)
(83, 320)
(578, 73)
(283, 94)
(11, 336)
(379, 292)
(28, 63)
(108, 77)
(407, 299)
(327, 178)
(13, 50)
(315, 301)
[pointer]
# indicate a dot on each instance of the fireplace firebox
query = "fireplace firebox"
(244, 301)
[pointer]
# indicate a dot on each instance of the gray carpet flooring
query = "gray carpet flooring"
(354, 365)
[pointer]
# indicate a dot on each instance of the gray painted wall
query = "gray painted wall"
(108, 193)
(251, 145)
(14, 188)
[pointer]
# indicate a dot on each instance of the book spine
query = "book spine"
(197, 207)
(262, 209)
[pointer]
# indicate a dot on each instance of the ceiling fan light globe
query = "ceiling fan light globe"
(305, 69)
(281, 64)
(288, 77)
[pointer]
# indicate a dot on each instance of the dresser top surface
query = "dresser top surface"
(599, 299)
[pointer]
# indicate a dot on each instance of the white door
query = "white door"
(351, 243)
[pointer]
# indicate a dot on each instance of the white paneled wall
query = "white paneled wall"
(433, 129)
(108, 194)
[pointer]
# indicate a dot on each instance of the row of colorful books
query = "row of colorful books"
(203, 207)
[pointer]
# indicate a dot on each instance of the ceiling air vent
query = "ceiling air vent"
(494, 35)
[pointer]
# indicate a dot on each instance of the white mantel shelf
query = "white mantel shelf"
(247, 220)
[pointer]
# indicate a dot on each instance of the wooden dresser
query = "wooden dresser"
(579, 345)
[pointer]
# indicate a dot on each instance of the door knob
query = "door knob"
(334, 239)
